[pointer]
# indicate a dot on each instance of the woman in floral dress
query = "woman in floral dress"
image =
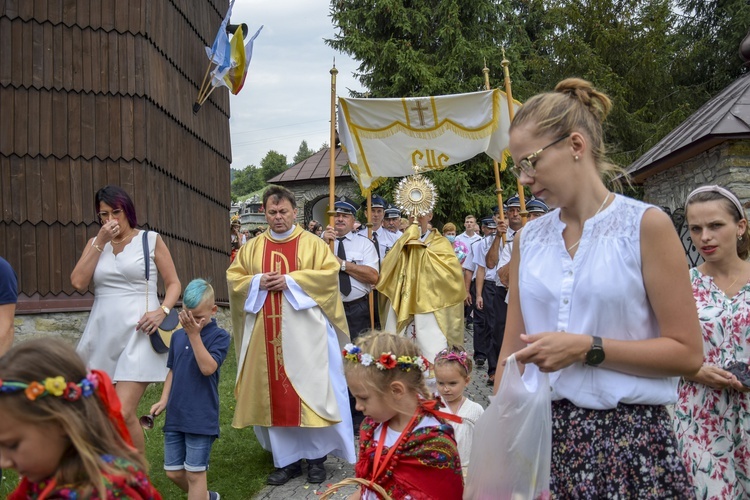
(712, 416)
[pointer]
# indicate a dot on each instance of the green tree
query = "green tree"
(272, 164)
(246, 181)
(419, 47)
(710, 32)
(626, 48)
(303, 153)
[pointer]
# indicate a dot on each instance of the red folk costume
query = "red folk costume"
(424, 465)
(132, 483)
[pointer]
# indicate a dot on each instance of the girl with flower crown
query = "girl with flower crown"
(453, 373)
(62, 429)
(407, 449)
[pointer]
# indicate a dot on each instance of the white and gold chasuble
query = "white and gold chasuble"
(283, 375)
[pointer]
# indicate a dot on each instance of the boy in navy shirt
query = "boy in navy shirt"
(191, 392)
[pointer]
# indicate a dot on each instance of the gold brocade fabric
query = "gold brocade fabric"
(424, 277)
(317, 275)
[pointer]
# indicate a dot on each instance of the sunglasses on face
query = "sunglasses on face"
(107, 215)
(526, 165)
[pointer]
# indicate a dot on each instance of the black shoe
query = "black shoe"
(480, 361)
(316, 473)
(284, 474)
(491, 380)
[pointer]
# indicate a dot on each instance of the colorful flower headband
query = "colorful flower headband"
(386, 361)
(447, 355)
(53, 386)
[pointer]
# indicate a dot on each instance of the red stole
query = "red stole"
(286, 406)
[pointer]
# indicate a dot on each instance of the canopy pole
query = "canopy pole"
(369, 236)
(511, 113)
(332, 151)
(495, 166)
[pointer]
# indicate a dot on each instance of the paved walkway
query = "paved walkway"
(299, 488)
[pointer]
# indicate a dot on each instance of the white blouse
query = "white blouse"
(598, 292)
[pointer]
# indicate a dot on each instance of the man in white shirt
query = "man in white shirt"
(471, 276)
(359, 266)
(359, 273)
(464, 241)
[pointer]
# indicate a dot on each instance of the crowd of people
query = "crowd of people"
(344, 332)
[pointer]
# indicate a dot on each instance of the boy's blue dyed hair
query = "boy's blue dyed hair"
(196, 292)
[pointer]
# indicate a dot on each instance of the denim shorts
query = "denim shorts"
(187, 451)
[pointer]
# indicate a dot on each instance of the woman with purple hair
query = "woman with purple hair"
(126, 308)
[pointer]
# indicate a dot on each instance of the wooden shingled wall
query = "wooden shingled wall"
(96, 92)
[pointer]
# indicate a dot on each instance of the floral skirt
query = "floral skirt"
(626, 452)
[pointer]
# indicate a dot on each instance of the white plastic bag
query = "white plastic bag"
(512, 445)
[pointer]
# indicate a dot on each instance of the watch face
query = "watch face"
(595, 356)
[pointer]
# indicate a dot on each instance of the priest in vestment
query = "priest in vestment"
(289, 326)
(421, 285)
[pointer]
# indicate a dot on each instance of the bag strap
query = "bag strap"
(146, 260)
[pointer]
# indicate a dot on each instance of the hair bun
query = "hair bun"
(582, 90)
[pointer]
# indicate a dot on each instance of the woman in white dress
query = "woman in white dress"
(116, 336)
(600, 299)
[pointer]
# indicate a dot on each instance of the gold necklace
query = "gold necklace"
(571, 247)
(115, 242)
(725, 290)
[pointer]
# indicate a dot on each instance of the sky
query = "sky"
(287, 94)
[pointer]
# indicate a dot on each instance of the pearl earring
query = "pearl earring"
(576, 157)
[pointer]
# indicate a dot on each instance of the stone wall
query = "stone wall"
(307, 194)
(726, 165)
(69, 326)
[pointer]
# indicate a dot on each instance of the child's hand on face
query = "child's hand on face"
(189, 324)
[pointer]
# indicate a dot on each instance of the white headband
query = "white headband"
(722, 191)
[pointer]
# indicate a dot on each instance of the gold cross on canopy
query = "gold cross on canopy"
(420, 111)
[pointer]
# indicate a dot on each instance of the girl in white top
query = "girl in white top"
(599, 298)
(453, 373)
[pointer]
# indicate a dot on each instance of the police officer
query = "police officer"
(358, 274)
(486, 305)
(392, 220)
(536, 208)
(380, 235)
(359, 266)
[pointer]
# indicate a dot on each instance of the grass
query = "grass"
(239, 465)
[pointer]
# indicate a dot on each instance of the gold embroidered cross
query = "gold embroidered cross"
(420, 111)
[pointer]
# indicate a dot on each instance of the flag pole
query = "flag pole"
(332, 150)
(511, 113)
(495, 166)
(202, 90)
(371, 297)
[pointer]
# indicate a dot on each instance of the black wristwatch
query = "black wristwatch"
(595, 356)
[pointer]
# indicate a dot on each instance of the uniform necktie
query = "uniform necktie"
(345, 281)
(377, 245)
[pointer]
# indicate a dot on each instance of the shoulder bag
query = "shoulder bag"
(161, 338)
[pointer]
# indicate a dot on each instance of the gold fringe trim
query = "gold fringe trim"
(504, 161)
